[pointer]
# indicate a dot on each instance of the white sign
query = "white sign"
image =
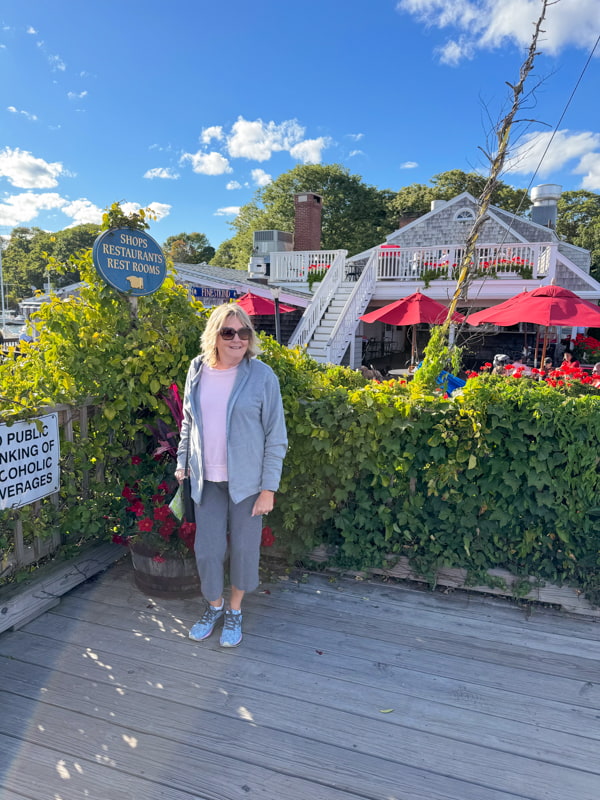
(29, 456)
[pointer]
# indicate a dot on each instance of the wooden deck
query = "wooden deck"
(340, 690)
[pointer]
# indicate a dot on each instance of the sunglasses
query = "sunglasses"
(229, 333)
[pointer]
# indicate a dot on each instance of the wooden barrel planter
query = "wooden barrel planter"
(173, 575)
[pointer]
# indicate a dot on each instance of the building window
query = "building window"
(464, 215)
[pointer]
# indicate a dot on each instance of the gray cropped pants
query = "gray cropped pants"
(216, 516)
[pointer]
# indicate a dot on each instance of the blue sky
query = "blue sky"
(188, 106)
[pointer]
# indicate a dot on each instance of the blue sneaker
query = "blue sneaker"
(205, 625)
(231, 634)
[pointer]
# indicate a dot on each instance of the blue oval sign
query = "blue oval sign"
(130, 261)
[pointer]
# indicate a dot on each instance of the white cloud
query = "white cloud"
(82, 211)
(26, 114)
(453, 52)
(258, 140)
(24, 170)
(76, 95)
(589, 166)
(565, 147)
(227, 211)
(161, 172)
(353, 153)
(160, 210)
(20, 208)
(356, 137)
(57, 64)
(261, 178)
(31, 30)
(207, 163)
(409, 165)
(309, 151)
(233, 185)
(208, 134)
(488, 24)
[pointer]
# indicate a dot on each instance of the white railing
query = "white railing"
(321, 299)
(357, 302)
(535, 260)
(293, 266)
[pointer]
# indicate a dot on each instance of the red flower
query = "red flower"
(145, 524)
(136, 460)
(159, 559)
(187, 534)
(118, 539)
(128, 493)
(162, 512)
(163, 487)
(137, 508)
(267, 539)
(167, 528)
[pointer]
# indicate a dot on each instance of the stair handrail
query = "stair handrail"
(354, 307)
(320, 302)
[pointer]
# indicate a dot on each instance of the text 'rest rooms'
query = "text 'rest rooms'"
(128, 251)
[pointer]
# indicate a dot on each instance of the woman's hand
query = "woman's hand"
(264, 503)
(180, 475)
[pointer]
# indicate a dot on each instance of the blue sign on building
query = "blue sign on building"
(130, 261)
(214, 294)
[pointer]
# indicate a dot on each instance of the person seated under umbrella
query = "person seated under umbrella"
(569, 362)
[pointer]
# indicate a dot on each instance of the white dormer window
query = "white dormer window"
(464, 215)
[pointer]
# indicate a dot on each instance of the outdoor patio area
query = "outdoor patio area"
(341, 689)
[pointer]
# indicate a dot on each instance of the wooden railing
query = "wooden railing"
(313, 315)
(293, 266)
(21, 553)
(345, 328)
(535, 259)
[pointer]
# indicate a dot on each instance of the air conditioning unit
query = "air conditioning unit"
(264, 242)
(258, 267)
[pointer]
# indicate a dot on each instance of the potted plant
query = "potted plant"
(316, 273)
(161, 546)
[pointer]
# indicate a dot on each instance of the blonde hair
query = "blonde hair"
(216, 321)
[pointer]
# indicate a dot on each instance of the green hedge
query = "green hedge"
(505, 475)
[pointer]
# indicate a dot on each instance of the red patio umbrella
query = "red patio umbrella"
(547, 305)
(254, 304)
(412, 310)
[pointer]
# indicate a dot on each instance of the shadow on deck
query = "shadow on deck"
(340, 690)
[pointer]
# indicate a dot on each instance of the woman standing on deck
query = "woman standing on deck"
(235, 428)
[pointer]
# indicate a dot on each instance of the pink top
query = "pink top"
(215, 389)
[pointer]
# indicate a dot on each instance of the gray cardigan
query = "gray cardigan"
(255, 433)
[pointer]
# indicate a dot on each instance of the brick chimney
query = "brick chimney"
(307, 225)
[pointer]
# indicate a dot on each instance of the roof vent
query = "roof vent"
(545, 199)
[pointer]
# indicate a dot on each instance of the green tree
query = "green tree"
(416, 198)
(25, 258)
(189, 248)
(355, 215)
(579, 223)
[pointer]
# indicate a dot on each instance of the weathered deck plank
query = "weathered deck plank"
(485, 706)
